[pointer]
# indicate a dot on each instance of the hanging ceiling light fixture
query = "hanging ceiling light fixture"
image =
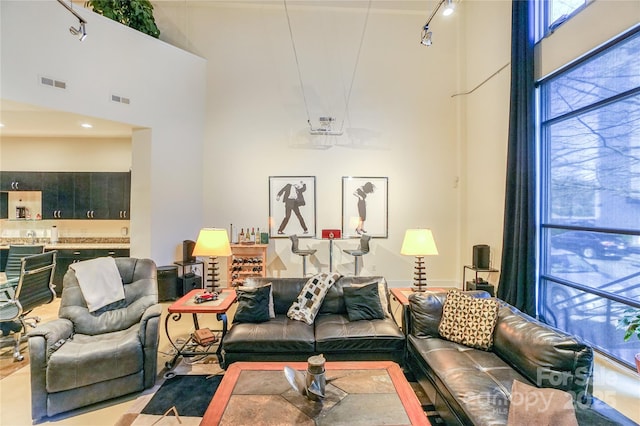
(326, 122)
(81, 31)
(425, 37)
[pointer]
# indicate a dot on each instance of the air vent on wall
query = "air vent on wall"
(120, 99)
(46, 81)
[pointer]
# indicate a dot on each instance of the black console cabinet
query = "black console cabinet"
(67, 257)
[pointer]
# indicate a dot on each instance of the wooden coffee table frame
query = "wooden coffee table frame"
(405, 392)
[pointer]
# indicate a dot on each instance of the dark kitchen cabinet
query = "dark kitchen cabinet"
(67, 257)
(119, 195)
(4, 253)
(57, 195)
(20, 181)
(4, 205)
(91, 198)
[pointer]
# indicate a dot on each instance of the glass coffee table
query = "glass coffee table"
(357, 393)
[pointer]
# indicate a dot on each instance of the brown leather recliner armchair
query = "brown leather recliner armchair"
(82, 358)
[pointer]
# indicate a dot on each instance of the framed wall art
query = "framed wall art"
(365, 206)
(292, 206)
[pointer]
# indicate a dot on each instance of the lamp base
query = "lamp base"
(419, 277)
(212, 275)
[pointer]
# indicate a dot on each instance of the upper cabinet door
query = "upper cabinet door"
(119, 195)
(91, 195)
(82, 195)
(20, 181)
(57, 195)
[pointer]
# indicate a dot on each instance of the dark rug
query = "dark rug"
(190, 394)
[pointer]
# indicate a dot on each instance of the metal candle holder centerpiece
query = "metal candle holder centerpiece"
(313, 382)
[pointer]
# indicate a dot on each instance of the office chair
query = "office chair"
(304, 253)
(15, 255)
(359, 252)
(34, 288)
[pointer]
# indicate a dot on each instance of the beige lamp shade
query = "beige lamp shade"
(212, 242)
(419, 242)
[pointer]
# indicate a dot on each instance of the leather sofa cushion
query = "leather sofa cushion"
(335, 333)
(426, 311)
(546, 356)
(85, 360)
(334, 299)
(279, 334)
(478, 381)
(284, 290)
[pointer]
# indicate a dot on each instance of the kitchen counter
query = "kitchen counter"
(73, 244)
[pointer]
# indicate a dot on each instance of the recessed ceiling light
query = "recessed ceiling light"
(1, 124)
(86, 125)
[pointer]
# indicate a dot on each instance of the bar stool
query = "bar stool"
(359, 252)
(304, 253)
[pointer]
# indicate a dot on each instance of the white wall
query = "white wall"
(46, 154)
(485, 123)
(401, 121)
(165, 85)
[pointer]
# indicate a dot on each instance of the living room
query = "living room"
(203, 157)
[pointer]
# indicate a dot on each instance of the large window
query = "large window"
(553, 13)
(590, 196)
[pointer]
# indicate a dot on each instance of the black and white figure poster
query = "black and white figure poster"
(364, 206)
(292, 206)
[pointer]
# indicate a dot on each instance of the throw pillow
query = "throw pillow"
(253, 304)
(469, 321)
(382, 293)
(530, 405)
(307, 304)
(272, 312)
(363, 303)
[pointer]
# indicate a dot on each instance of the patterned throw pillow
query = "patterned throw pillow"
(306, 306)
(469, 320)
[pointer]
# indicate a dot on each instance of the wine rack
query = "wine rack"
(246, 261)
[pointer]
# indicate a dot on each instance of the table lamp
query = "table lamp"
(212, 242)
(419, 243)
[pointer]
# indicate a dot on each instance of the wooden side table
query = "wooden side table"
(187, 305)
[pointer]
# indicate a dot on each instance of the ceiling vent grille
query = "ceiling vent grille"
(46, 81)
(120, 99)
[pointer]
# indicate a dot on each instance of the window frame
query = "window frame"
(543, 211)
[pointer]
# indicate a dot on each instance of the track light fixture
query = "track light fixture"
(425, 38)
(81, 31)
(448, 8)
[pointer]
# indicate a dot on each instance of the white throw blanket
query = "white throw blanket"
(99, 282)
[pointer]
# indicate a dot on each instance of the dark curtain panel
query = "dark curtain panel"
(517, 279)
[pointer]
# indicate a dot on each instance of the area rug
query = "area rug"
(188, 395)
(183, 398)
